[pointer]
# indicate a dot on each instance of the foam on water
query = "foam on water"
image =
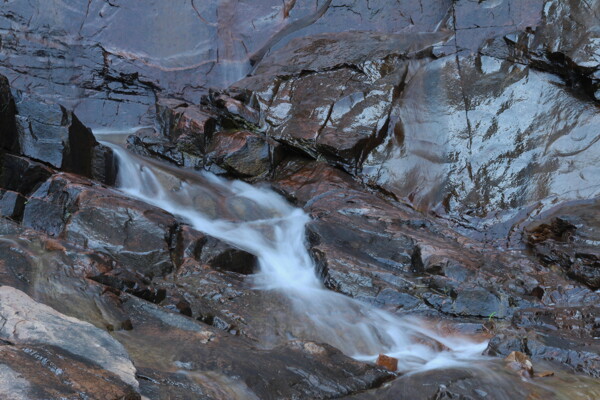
(276, 235)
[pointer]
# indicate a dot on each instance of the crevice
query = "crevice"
(591, 9)
(204, 20)
(327, 118)
(462, 85)
(292, 27)
(87, 12)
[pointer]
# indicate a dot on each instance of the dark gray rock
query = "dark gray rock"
(11, 204)
(49, 134)
(567, 236)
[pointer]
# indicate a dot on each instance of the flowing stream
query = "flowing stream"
(275, 232)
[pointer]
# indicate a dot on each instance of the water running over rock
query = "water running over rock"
(264, 224)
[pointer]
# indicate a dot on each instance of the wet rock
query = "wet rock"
(50, 134)
(235, 111)
(580, 322)
(49, 270)
(386, 254)
(520, 362)
(472, 302)
(479, 101)
(475, 21)
(22, 175)
(564, 43)
(457, 383)
(51, 205)
(389, 363)
(582, 355)
(37, 372)
(111, 75)
(566, 236)
(93, 217)
(8, 227)
(223, 257)
(243, 154)
(211, 362)
(7, 115)
(487, 136)
(134, 234)
(28, 322)
(336, 106)
(11, 204)
(158, 147)
(187, 125)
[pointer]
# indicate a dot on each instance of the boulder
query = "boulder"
(25, 321)
(38, 371)
(243, 154)
(50, 270)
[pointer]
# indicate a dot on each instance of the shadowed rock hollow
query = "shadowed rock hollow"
(446, 152)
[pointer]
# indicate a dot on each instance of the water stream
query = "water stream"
(275, 232)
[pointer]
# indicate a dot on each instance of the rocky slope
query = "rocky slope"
(446, 152)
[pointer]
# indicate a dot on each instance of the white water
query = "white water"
(275, 232)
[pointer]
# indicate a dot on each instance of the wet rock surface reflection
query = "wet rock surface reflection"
(415, 179)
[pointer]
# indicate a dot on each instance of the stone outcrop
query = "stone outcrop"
(445, 150)
(49, 134)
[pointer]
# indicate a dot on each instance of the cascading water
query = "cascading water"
(275, 233)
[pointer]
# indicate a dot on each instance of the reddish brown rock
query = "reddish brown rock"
(389, 363)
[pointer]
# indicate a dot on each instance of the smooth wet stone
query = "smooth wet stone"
(135, 235)
(50, 134)
(475, 21)
(492, 381)
(49, 270)
(568, 42)
(39, 372)
(210, 362)
(384, 254)
(28, 322)
(487, 133)
(188, 125)
(336, 105)
(242, 154)
(132, 233)
(473, 141)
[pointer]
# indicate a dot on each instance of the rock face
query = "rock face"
(445, 150)
(50, 134)
(110, 74)
(481, 136)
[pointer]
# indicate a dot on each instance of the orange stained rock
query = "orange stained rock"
(389, 363)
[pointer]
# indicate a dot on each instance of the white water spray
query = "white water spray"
(274, 231)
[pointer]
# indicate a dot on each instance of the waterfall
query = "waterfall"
(274, 231)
